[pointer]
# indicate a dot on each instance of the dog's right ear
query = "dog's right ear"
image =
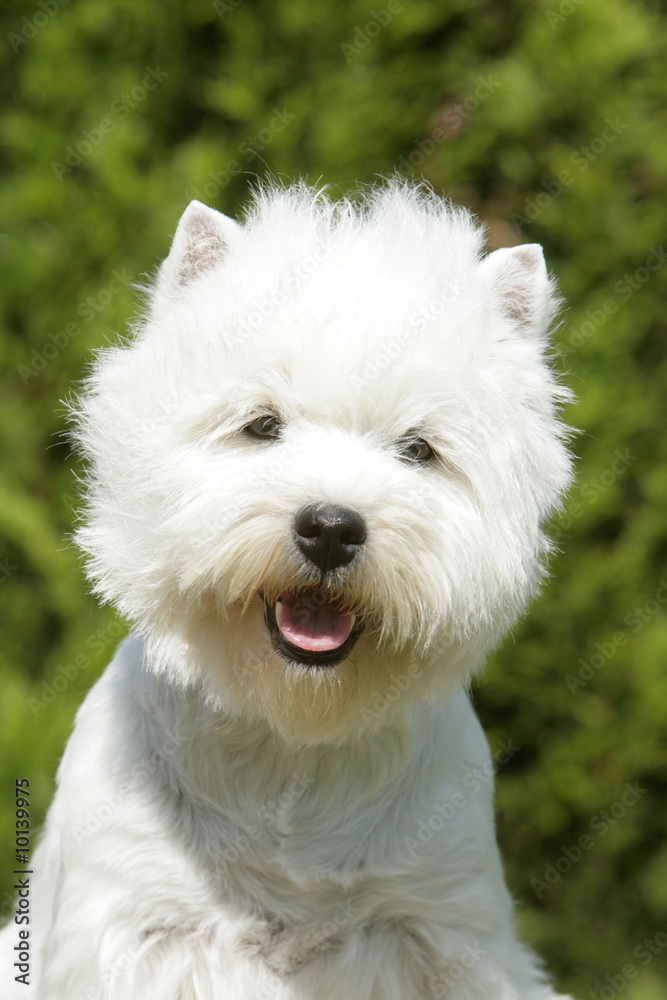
(520, 287)
(202, 239)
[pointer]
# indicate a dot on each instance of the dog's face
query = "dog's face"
(319, 472)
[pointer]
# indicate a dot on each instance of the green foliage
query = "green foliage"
(548, 120)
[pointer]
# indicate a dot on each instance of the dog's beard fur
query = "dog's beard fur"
(190, 524)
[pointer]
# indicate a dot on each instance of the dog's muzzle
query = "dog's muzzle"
(309, 625)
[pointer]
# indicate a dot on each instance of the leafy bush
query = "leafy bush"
(546, 119)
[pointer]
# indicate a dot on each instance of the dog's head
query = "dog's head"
(320, 470)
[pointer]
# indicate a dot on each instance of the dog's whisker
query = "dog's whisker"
(258, 585)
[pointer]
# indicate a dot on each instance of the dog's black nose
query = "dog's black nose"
(329, 535)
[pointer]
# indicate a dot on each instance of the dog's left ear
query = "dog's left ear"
(202, 239)
(520, 287)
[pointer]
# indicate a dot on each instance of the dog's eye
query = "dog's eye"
(265, 427)
(417, 450)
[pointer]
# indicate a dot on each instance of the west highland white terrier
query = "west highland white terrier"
(318, 478)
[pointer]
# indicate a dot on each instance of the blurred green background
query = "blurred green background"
(548, 120)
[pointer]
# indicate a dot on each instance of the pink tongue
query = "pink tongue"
(312, 624)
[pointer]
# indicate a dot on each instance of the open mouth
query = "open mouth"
(309, 628)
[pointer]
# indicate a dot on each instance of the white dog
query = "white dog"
(318, 475)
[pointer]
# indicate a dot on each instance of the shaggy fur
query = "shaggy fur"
(233, 824)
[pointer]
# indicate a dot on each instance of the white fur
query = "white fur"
(228, 825)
